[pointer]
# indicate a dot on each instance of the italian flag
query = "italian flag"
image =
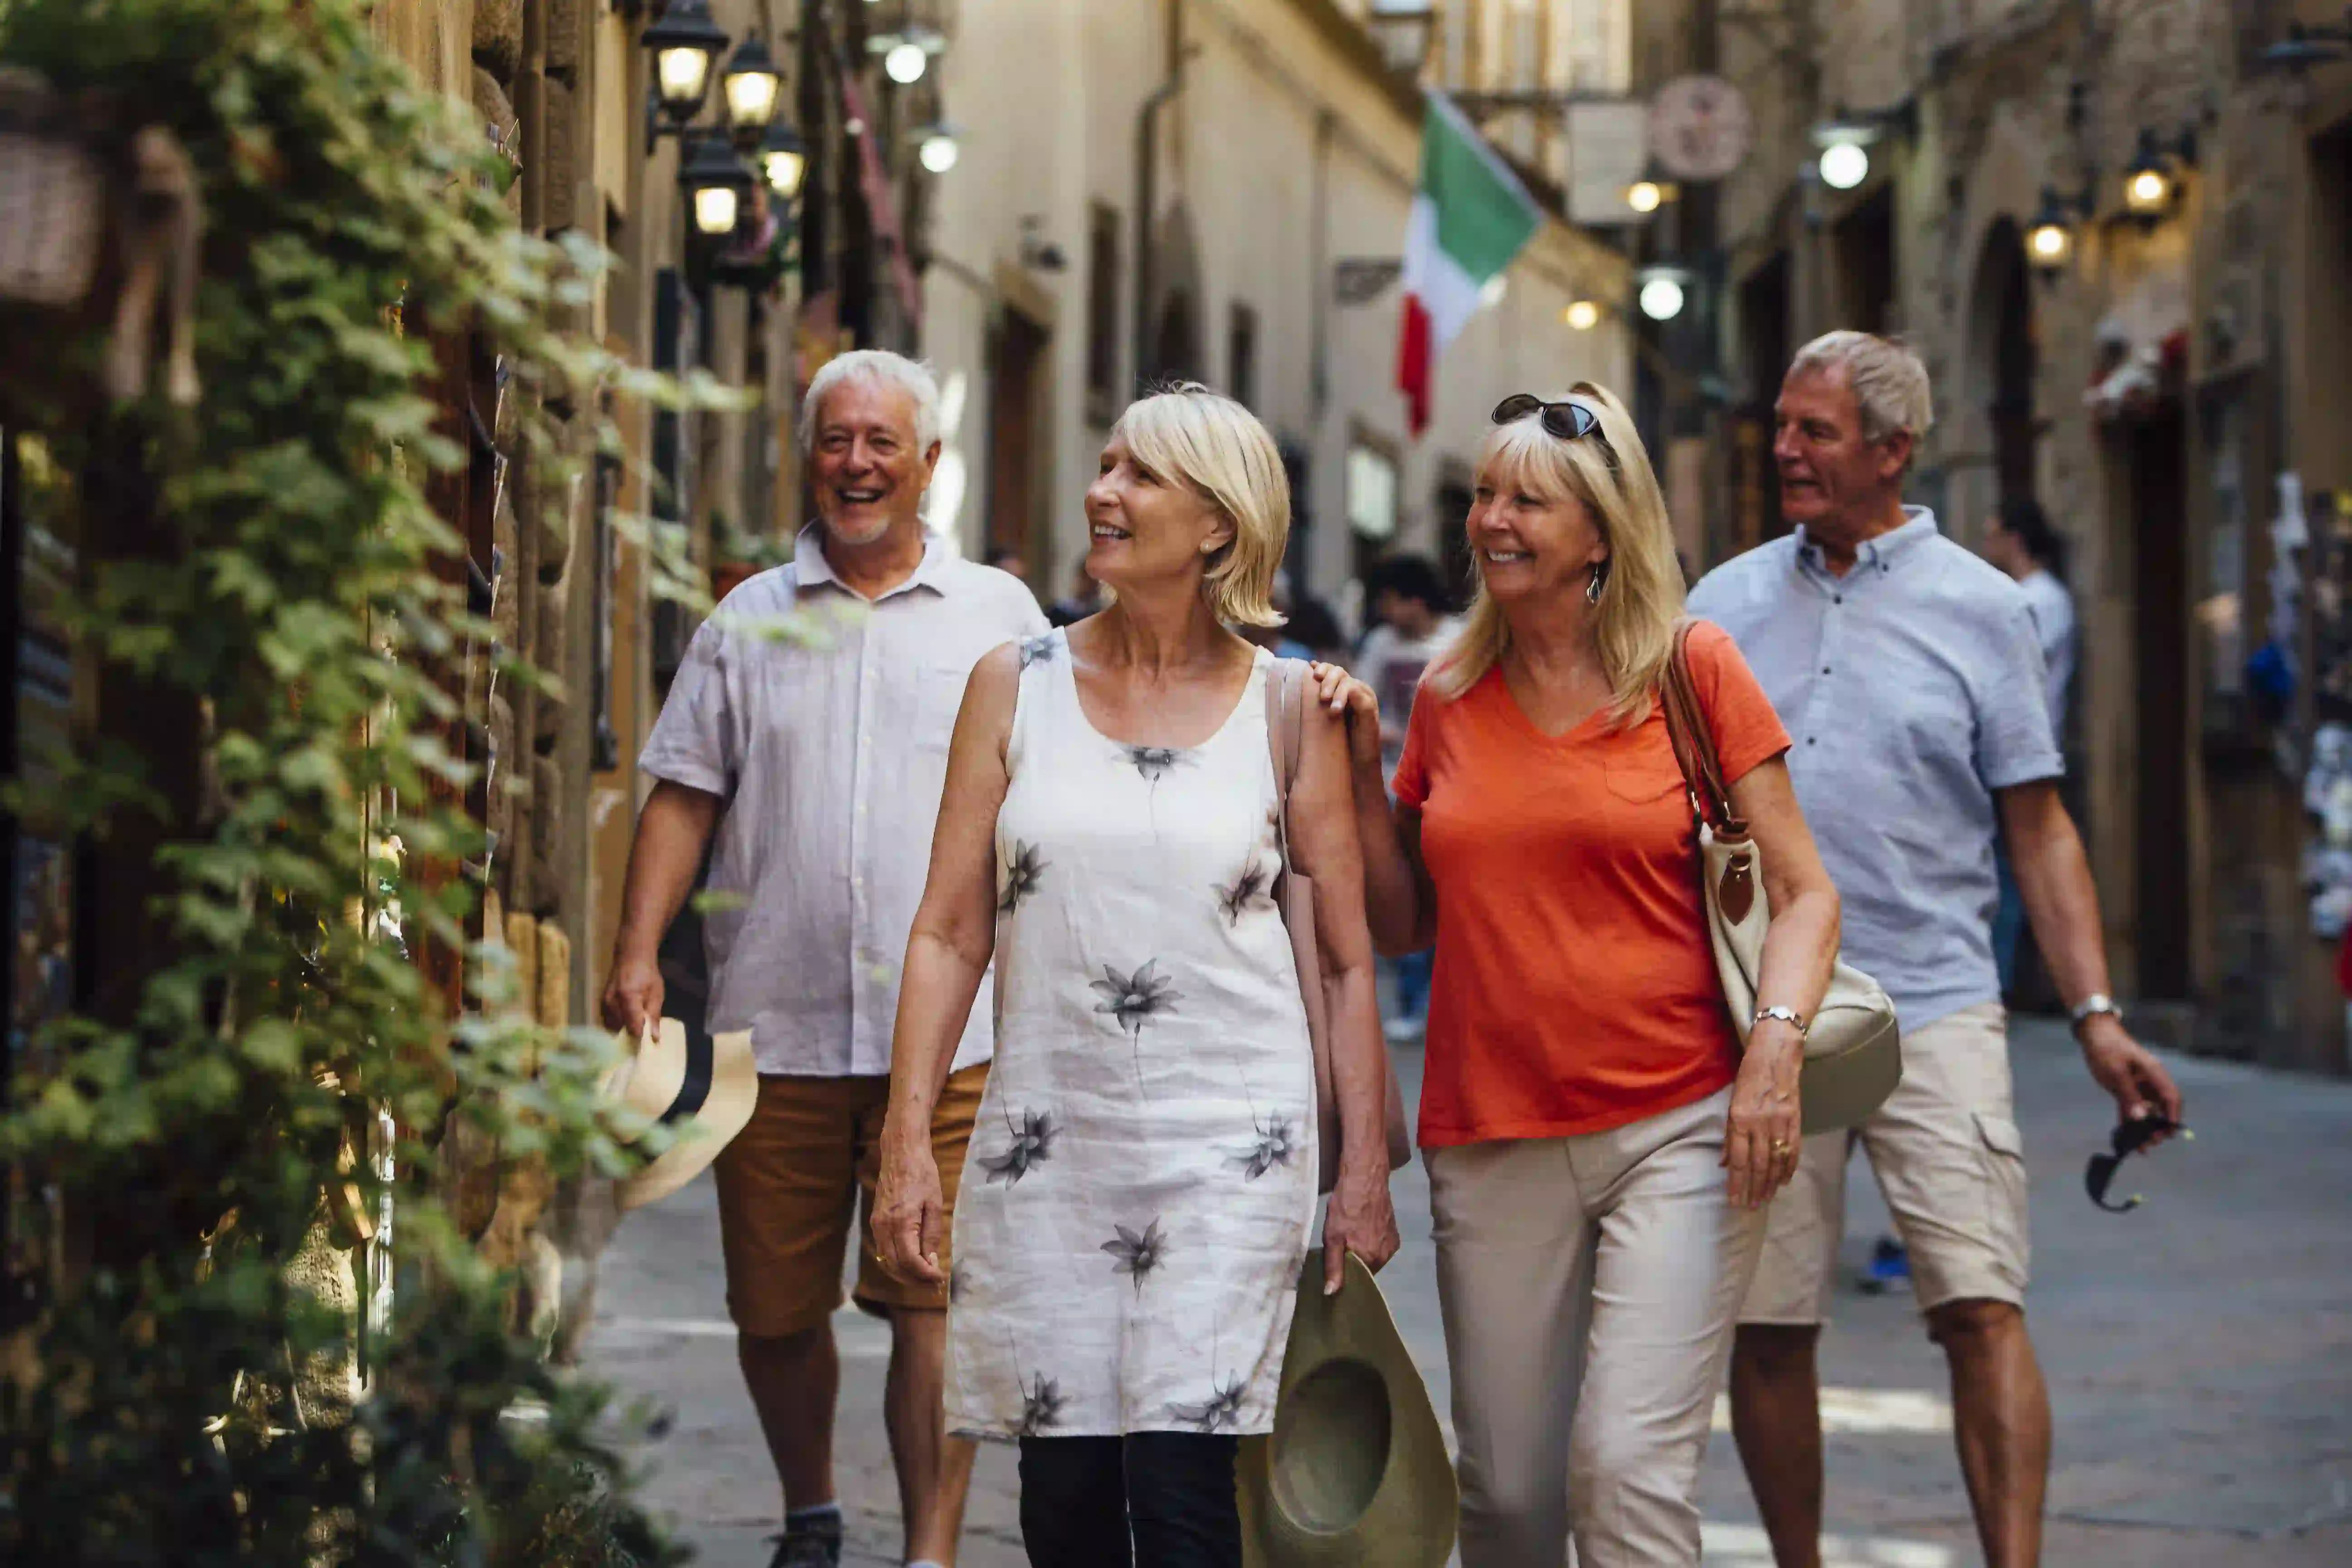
(1470, 217)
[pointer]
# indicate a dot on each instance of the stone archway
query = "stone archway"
(1991, 452)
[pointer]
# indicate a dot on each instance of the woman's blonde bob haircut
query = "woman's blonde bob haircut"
(1215, 448)
(1642, 582)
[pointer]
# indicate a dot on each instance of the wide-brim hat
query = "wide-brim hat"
(698, 1086)
(1355, 1472)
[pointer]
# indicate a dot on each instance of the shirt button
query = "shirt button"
(1825, 669)
(1809, 739)
(1837, 598)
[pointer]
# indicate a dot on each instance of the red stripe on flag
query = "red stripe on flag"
(1412, 364)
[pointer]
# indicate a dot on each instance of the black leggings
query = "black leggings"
(1149, 1500)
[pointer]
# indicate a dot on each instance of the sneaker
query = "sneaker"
(1401, 1031)
(1890, 1265)
(806, 1549)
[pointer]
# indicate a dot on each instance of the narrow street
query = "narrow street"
(2199, 1353)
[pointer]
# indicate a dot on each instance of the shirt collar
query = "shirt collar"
(1919, 525)
(811, 569)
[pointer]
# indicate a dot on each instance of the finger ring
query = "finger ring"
(1779, 1145)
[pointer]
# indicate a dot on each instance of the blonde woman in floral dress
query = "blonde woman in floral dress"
(1141, 1193)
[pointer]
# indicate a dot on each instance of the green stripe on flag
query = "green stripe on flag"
(1483, 216)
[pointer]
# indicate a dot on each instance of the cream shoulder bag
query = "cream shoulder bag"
(1285, 723)
(1853, 1054)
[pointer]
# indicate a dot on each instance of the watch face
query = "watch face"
(1699, 128)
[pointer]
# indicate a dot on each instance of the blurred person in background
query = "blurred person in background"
(1910, 673)
(1411, 628)
(1085, 598)
(1277, 640)
(2021, 542)
(1313, 624)
(1009, 562)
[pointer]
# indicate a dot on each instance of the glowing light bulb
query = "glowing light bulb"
(1582, 316)
(1645, 197)
(714, 209)
(1844, 165)
(906, 64)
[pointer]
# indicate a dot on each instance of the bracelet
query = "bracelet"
(1788, 1016)
(2090, 1007)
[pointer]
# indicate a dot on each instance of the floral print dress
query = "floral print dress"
(1139, 1189)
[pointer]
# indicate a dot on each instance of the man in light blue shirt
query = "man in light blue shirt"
(1910, 679)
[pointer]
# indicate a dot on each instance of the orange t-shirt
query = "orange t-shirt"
(1575, 987)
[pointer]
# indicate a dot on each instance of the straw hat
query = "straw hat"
(1355, 1472)
(701, 1087)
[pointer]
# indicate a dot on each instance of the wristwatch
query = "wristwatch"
(1788, 1016)
(2090, 1007)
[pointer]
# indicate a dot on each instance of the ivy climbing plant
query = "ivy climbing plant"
(293, 597)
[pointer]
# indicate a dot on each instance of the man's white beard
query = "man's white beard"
(881, 527)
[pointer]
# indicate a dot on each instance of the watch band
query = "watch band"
(2091, 1006)
(1789, 1015)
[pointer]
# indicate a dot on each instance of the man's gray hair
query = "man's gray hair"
(880, 368)
(1890, 385)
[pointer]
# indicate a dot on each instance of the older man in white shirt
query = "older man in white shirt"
(817, 758)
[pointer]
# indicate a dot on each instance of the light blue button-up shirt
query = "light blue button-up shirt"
(1913, 689)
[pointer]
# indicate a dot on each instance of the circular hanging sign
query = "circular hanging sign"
(1699, 128)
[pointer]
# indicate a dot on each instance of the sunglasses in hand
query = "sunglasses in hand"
(2128, 1138)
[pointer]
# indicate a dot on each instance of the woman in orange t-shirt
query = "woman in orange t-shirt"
(1600, 1149)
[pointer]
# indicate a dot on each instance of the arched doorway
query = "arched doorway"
(1175, 341)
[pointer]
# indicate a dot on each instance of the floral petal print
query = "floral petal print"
(1037, 650)
(1040, 1407)
(1137, 1254)
(1156, 762)
(1132, 998)
(1247, 891)
(1022, 874)
(1222, 1409)
(1277, 1144)
(1033, 1143)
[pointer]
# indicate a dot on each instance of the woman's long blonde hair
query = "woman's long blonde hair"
(1641, 590)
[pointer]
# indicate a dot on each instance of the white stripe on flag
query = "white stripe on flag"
(1449, 294)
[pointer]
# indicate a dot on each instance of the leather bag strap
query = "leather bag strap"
(1694, 741)
(1286, 733)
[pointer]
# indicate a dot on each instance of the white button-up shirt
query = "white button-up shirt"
(825, 721)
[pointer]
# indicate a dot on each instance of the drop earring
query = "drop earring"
(1592, 584)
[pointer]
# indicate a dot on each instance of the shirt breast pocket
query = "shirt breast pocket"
(929, 696)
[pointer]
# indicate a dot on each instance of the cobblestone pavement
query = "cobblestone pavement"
(2198, 1351)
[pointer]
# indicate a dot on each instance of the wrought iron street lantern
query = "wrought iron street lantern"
(715, 180)
(1661, 291)
(685, 43)
(2050, 237)
(751, 88)
(784, 162)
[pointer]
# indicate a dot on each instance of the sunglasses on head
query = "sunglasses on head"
(1564, 419)
(2128, 1138)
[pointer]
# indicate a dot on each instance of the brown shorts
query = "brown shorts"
(793, 1181)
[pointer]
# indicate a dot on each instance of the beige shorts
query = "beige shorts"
(1950, 1164)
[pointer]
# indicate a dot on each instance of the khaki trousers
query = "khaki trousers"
(1589, 1287)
